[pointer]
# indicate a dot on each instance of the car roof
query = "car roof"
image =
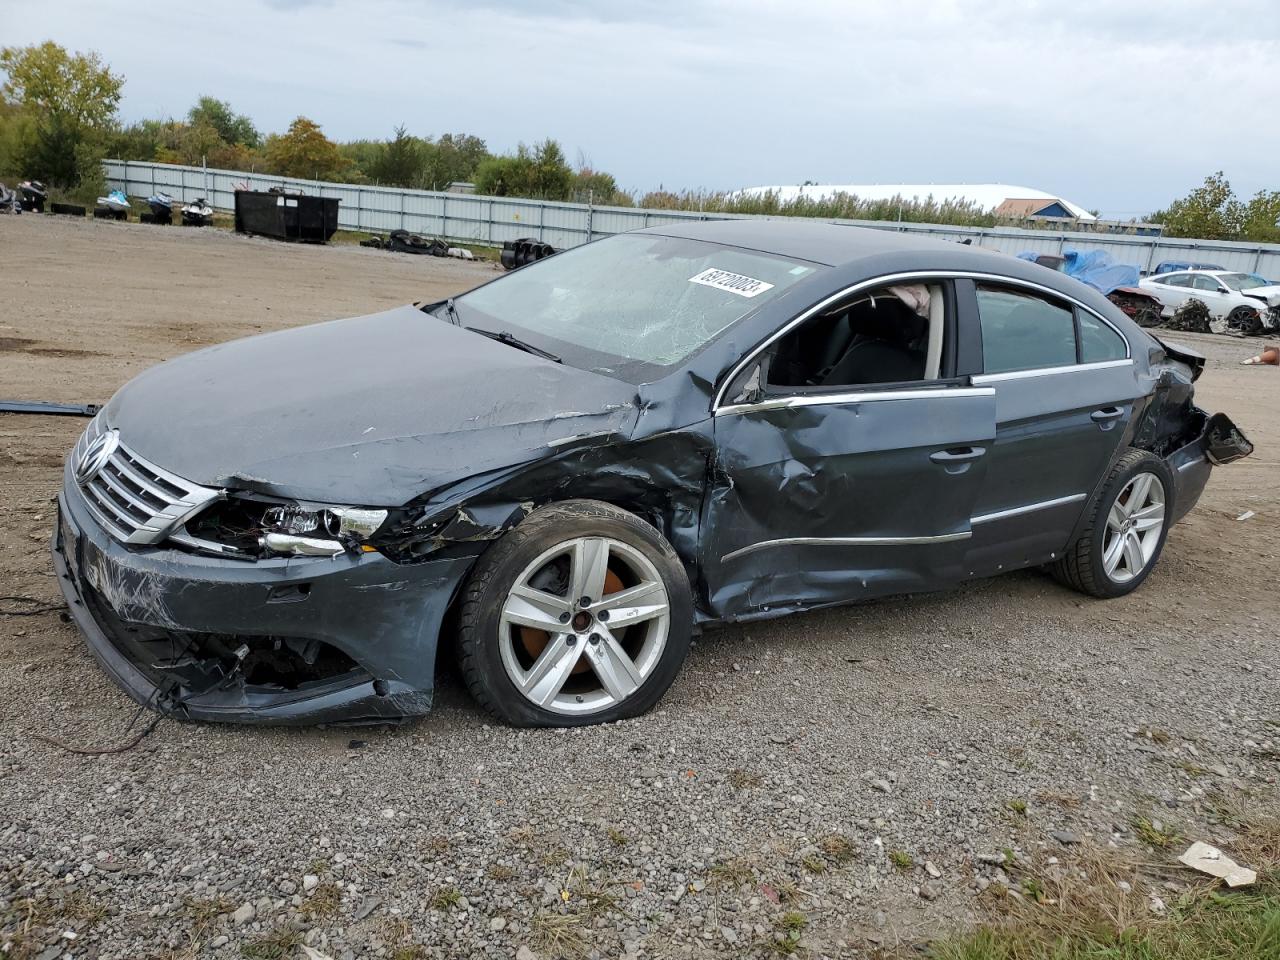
(832, 244)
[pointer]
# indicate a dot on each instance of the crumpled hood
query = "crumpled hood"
(1270, 294)
(371, 411)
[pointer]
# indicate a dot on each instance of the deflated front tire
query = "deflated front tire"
(581, 614)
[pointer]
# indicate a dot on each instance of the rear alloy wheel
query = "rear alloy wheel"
(581, 614)
(1124, 531)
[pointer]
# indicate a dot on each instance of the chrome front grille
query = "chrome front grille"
(134, 500)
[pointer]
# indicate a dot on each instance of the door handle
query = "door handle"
(957, 454)
(1106, 415)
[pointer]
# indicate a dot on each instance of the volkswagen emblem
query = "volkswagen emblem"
(96, 455)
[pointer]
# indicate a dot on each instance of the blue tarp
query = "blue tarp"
(1094, 268)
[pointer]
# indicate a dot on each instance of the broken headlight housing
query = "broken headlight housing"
(314, 531)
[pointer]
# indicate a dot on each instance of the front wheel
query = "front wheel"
(580, 614)
(1125, 531)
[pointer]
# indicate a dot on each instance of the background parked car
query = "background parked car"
(1238, 301)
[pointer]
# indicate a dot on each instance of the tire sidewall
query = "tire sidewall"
(1149, 463)
(508, 558)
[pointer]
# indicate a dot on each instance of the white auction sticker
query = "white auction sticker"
(733, 282)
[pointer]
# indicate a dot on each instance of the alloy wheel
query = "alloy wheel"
(584, 625)
(1134, 525)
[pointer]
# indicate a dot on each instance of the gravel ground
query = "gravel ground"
(837, 783)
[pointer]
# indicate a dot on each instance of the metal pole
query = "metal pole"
(590, 210)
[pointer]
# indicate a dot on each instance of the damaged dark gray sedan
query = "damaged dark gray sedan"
(569, 470)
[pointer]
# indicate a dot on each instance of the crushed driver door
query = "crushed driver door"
(830, 497)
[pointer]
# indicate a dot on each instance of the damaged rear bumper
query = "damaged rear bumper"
(1218, 442)
(292, 641)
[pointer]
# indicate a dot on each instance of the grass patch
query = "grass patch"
(731, 873)
(617, 837)
(901, 859)
(1155, 833)
(1095, 919)
(274, 945)
(323, 901)
(837, 847)
(788, 929)
(557, 935)
(1018, 807)
(500, 872)
(741, 779)
(445, 898)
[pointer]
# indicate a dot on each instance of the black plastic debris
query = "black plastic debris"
(109, 213)
(286, 216)
(402, 241)
(517, 253)
(67, 209)
(50, 409)
(34, 194)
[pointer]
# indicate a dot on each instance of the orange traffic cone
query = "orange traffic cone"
(1270, 355)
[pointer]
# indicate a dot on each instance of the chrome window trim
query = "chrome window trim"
(845, 542)
(1048, 371)
(718, 400)
(1027, 508)
(868, 396)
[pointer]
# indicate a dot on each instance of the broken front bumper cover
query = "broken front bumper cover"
(290, 641)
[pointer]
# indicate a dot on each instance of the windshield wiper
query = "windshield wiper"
(452, 311)
(513, 341)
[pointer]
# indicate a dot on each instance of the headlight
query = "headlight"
(318, 531)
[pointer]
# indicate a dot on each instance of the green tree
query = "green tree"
(230, 126)
(1209, 212)
(454, 156)
(1262, 217)
(398, 162)
(598, 187)
(66, 105)
(540, 172)
(305, 152)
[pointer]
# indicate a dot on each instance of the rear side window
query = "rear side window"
(1098, 341)
(1205, 283)
(1174, 280)
(1021, 331)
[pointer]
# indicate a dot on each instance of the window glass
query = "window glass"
(1097, 340)
(1021, 331)
(880, 336)
(1201, 282)
(1242, 281)
(633, 305)
(1174, 279)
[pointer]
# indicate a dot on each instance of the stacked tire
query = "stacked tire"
(518, 253)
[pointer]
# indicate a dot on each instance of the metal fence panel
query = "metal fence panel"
(491, 220)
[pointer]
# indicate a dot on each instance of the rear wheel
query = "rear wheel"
(1125, 531)
(580, 614)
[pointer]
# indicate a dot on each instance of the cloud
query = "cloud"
(1117, 106)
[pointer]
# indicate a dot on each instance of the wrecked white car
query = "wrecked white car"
(1236, 301)
(569, 470)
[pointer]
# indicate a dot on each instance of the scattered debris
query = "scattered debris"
(1212, 861)
(517, 253)
(1192, 316)
(1270, 356)
(1247, 515)
(50, 409)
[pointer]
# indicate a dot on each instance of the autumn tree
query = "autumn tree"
(65, 106)
(305, 152)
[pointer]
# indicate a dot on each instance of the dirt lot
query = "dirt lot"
(787, 795)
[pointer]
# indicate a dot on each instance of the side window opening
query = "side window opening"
(1023, 331)
(890, 334)
(1097, 340)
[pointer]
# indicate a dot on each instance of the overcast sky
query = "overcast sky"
(1119, 106)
